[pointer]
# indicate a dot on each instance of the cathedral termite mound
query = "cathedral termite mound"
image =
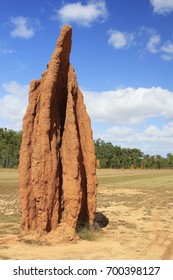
(57, 169)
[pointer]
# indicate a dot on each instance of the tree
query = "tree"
(10, 142)
(116, 157)
(169, 159)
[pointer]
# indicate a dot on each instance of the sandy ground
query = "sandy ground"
(140, 227)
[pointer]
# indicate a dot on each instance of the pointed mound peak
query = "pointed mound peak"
(57, 158)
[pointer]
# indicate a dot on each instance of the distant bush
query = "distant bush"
(10, 142)
(110, 156)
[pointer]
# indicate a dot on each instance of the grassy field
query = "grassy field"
(9, 202)
(137, 203)
(149, 185)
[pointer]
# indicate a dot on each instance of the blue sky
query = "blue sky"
(122, 52)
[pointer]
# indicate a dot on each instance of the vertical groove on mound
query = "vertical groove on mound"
(57, 173)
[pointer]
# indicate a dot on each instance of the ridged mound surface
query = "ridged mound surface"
(57, 172)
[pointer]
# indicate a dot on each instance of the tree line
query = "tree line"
(108, 155)
(10, 142)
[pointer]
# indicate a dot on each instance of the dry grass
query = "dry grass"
(9, 202)
(87, 233)
(138, 204)
(145, 187)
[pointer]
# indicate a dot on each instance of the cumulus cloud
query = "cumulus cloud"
(131, 118)
(162, 6)
(146, 39)
(156, 46)
(119, 39)
(152, 140)
(129, 105)
(23, 27)
(167, 50)
(13, 104)
(126, 117)
(83, 15)
(153, 43)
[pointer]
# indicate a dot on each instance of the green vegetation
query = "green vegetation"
(110, 156)
(87, 233)
(10, 142)
(116, 157)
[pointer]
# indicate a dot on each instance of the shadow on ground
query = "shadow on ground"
(100, 220)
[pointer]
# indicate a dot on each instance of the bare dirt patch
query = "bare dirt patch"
(137, 203)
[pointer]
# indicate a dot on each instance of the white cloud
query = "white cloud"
(147, 38)
(129, 105)
(120, 39)
(162, 6)
(131, 118)
(152, 130)
(153, 43)
(152, 140)
(13, 104)
(83, 15)
(23, 27)
(120, 133)
(15, 89)
(156, 46)
(127, 113)
(167, 51)
(168, 48)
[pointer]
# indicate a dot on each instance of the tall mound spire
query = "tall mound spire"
(57, 173)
